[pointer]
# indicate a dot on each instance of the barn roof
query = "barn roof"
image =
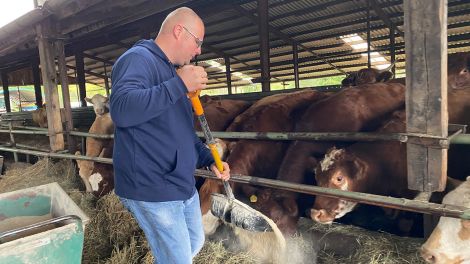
(104, 29)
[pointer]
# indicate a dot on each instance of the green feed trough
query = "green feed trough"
(40, 225)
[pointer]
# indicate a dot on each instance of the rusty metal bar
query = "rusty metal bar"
(333, 136)
(57, 155)
(390, 202)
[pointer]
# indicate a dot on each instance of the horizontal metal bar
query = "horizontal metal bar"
(333, 136)
(390, 202)
(346, 136)
(57, 155)
(85, 134)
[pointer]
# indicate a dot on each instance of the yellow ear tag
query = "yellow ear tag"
(253, 198)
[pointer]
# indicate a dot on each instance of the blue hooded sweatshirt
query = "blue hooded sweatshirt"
(156, 149)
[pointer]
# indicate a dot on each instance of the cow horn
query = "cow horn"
(388, 68)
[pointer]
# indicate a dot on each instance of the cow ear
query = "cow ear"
(360, 167)
(291, 207)
(466, 224)
(384, 76)
(106, 99)
(88, 100)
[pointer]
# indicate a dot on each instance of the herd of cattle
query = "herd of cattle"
(371, 101)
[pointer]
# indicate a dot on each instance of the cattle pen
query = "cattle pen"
(274, 48)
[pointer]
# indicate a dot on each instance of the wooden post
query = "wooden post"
(80, 65)
(228, 74)
(6, 92)
(37, 83)
(368, 35)
(392, 50)
(106, 79)
(65, 94)
(426, 90)
(44, 31)
(12, 141)
(295, 59)
(263, 28)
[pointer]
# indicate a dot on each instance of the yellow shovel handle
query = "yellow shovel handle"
(197, 106)
(216, 156)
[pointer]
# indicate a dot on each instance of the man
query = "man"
(156, 149)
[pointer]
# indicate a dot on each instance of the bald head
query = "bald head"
(181, 36)
(184, 16)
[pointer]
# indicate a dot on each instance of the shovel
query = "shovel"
(227, 207)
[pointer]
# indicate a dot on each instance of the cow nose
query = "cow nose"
(428, 256)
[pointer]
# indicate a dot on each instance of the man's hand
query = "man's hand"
(225, 175)
(194, 77)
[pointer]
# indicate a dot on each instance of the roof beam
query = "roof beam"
(87, 72)
(378, 10)
(284, 36)
(93, 57)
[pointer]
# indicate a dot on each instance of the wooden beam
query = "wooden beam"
(295, 61)
(368, 35)
(64, 81)
(6, 92)
(37, 82)
(263, 29)
(80, 67)
(228, 75)
(49, 77)
(426, 91)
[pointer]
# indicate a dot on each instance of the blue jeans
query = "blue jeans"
(173, 229)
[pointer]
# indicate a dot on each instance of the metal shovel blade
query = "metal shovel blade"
(239, 214)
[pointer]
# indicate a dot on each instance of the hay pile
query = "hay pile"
(22, 175)
(374, 247)
(113, 237)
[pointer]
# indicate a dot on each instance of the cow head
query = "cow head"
(282, 209)
(449, 243)
(458, 71)
(100, 104)
(368, 76)
(338, 170)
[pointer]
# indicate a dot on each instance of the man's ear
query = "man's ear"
(177, 31)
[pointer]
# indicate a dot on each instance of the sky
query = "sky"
(12, 9)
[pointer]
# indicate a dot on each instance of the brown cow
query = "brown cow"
(40, 116)
(458, 71)
(449, 243)
(347, 111)
(220, 113)
(94, 148)
(274, 113)
(458, 74)
(370, 167)
(367, 76)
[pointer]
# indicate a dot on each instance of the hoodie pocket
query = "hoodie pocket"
(181, 174)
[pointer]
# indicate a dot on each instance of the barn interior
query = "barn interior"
(247, 43)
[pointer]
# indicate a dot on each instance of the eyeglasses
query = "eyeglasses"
(198, 41)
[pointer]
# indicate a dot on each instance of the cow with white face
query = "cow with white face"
(449, 243)
(100, 104)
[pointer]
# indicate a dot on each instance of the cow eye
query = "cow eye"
(339, 178)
